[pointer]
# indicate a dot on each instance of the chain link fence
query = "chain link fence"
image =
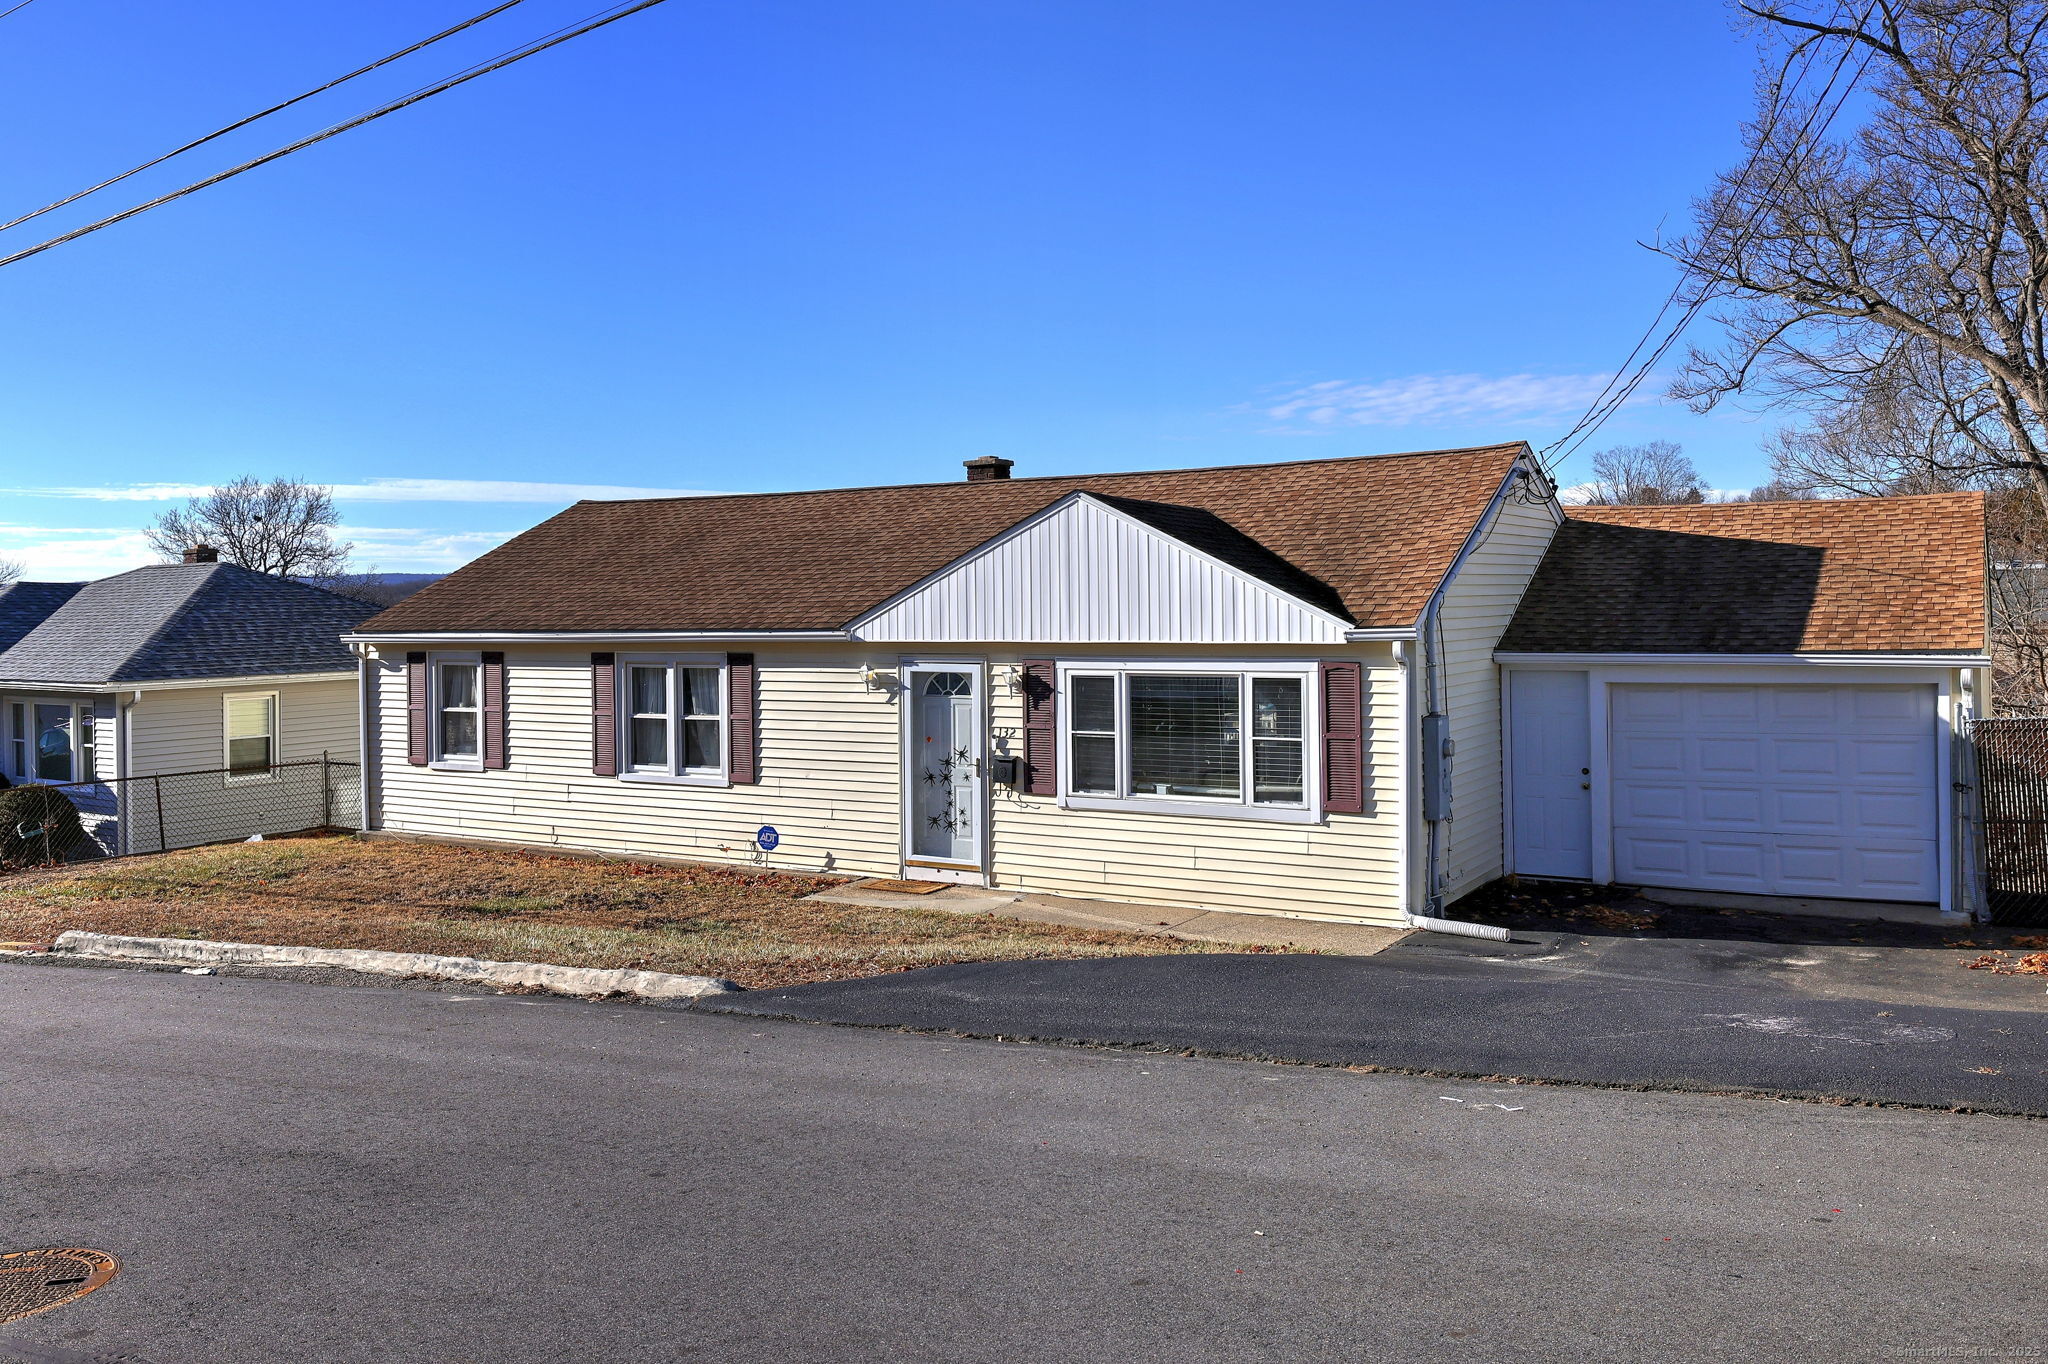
(2011, 759)
(42, 825)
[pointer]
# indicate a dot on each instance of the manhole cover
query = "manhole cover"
(33, 1281)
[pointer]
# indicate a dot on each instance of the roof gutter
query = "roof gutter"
(1380, 634)
(172, 684)
(1736, 660)
(588, 636)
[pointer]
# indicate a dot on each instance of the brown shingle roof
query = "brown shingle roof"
(1369, 537)
(1863, 575)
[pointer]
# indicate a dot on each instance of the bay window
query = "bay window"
(1197, 738)
(673, 717)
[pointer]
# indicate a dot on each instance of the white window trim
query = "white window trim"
(435, 759)
(227, 738)
(82, 712)
(623, 713)
(1310, 811)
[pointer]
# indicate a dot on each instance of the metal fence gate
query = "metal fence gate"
(43, 824)
(2012, 781)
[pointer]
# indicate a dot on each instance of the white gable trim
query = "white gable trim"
(1082, 571)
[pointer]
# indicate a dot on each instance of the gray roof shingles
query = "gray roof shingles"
(177, 622)
(24, 606)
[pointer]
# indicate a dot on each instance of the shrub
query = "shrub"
(38, 825)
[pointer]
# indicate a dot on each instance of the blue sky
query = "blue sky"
(784, 245)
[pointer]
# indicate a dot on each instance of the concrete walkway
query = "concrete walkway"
(1197, 925)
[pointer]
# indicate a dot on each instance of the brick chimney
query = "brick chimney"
(988, 468)
(202, 554)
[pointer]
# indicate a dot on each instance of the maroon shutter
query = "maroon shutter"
(742, 767)
(1041, 727)
(416, 709)
(1343, 739)
(494, 709)
(604, 715)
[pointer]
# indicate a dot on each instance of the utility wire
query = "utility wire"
(1618, 391)
(426, 92)
(11, 8)
(245, 122)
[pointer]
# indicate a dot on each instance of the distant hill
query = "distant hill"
(382, 588)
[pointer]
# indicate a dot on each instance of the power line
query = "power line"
(245, 122)
(11, 8)
(1618, 391)
(519, 54)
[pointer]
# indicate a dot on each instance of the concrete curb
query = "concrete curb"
(564, 980)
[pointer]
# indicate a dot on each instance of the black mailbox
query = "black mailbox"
(1004, 770)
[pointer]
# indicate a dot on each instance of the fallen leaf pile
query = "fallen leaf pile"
(2004, 964)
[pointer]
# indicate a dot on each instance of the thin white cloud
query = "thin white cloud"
(381, 490)
(65, 554)
(1420, 399)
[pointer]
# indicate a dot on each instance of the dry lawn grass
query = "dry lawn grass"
(748, 926)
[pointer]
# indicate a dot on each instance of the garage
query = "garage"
(1806, 790)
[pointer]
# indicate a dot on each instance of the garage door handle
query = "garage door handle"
(1585, 786)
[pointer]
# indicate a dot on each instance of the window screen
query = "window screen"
(1093, 734)
(459, 718)
(252, 732)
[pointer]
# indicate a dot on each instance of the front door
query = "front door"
(1551, 763)
(943, 771)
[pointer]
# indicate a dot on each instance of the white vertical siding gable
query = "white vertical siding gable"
(1082, 571)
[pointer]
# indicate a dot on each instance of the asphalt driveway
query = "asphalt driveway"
(1852, 1022)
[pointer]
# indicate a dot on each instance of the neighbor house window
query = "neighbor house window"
(1206, 739)
(251, 729)
(52, 740)
(458, 712)
(672, 712)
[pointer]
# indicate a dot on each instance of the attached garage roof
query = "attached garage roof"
(1368, 538)
(1861, 575)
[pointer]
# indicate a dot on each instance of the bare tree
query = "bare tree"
(1902, 263)
(10, 572)
(1644, 476)
(284, 527)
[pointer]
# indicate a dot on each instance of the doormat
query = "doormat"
(903, 887)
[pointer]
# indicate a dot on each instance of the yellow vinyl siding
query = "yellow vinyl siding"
(183, 729)
(1476, 610)
(830, 754)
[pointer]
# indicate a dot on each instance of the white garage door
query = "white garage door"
(1800, 790)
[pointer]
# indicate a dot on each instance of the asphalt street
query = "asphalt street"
(301, 1172)
(1661, 1015)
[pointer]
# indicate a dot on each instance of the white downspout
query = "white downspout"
(124, 737)
(362, 653)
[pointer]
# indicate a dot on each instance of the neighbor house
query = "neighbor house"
(203, 673)
(1350, 688)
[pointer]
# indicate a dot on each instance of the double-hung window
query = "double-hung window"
(250, 726)
(673, 719)
(1192, 738)
(458, 711)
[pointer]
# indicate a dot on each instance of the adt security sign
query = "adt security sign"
(765, 838)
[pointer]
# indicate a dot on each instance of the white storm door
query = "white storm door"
(1777, 790)
(943, 765)
(1552, 774)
